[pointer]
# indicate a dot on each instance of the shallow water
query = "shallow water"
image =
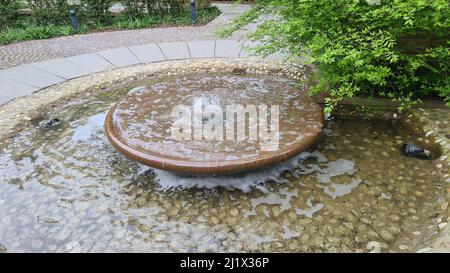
(66, 188)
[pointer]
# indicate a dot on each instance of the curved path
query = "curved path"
(40, 50)
(33, 65)
(24, 79)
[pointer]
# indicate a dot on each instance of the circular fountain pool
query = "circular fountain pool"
(64, 188)
(141, 125)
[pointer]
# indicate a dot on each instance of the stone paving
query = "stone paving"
(32, 65)
(40, 50)
(24, 79)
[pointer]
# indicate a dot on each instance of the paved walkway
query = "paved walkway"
(24, 79)
(33, 65)
(40, 50)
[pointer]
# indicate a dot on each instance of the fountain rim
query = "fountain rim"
(203, 167)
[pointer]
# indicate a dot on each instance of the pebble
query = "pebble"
(293, 245)
(442, 225)
(349, 225)
(215, 220)
(423, 250)
(403, 247)
(386, 235)
(141, 201)
(234, 212)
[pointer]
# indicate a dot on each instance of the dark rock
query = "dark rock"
(412, 150)
(238, 71)
(47, 124)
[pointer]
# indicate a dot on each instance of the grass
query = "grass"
(28, 30)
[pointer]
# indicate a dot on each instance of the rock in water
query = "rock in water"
(47, 124)
(412, 150)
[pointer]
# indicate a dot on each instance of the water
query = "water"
(65, 189)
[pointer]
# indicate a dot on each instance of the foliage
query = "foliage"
(33, 32)
(96, 10)
(398, 49)
(140, 8)
(202, 4)
(9, 12)
(49, 12)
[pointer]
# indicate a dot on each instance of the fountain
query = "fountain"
(65, 188)
(140, 126)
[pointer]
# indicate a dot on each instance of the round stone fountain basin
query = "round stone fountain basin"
(141, 125)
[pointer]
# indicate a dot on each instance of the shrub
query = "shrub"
(9, 12)
(134, 8)
(202, 4)
(398, 49)
(49, 12)
(139, 8)
(96, 10)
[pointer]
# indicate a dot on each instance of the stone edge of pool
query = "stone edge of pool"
(38, 87)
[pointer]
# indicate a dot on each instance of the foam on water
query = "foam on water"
(244, 182)
(258, 179)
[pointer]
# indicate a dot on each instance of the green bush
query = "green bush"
(9, 12)
(95, 10)
(133, 8)
(398, 49)
(50, 12)
(201, 4)
(140, 8)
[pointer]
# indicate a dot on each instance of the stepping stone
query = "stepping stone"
(147, 53)
(62, 68)
(175, 50)
(119, 57)
(201, 49)
(27, 74)
(227, 49)
(91, 62)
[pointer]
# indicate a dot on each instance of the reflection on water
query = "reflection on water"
(66, 189)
